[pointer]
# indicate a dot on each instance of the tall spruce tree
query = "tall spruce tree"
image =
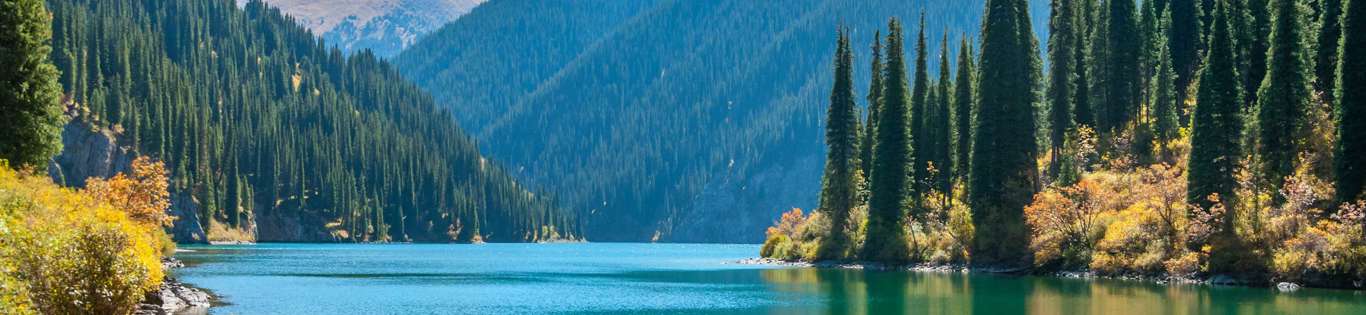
(1351, 102)
(1258, 30)
(1217, 123)
(1122, 83)
(1240, 21)
(1284, 95)
(1060, 91)
(838, 188)
(1326, 60)
(1004, 172)
(942, 126)
(962, 110)
(1082, 112)
(1163, 88)
(1147, 52)
(1184, 43)
(1215, 144)
(886, 239)
(920, 151)
(1097, 61)
(874, 106)
(30, 95)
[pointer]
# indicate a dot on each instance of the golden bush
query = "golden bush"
(65, 251)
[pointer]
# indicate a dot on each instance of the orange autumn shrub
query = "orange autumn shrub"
(144, 194)
(1115, 222)
(795, 236)
(1064, 222)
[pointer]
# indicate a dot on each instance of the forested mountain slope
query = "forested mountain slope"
(269, 133)
(661, 120)
(382, 26)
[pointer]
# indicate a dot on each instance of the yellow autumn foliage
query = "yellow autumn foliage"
(67, 251)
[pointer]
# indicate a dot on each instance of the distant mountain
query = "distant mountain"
(383, 26)
(669, 120)
(271, 136)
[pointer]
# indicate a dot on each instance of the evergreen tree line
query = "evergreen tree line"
(1271, 89)
(687, 121)
(268, 130)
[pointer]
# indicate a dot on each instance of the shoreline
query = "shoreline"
(1216, 280)
(174, 296)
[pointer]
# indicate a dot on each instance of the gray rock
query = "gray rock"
(90, 151)
(174, 297)
(1287, 287)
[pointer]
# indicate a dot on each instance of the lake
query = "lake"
(668, 278)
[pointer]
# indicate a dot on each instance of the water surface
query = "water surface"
(669, 278)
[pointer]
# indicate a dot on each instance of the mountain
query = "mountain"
(382, 26)
(685, 121)
(272, 136)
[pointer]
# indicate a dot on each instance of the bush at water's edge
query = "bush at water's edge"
(96, 250)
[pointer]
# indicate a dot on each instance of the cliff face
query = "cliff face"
(90, 151)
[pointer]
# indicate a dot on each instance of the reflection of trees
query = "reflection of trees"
(851, 291)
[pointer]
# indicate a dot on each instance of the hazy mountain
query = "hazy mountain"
(384, 26)
(667, 120)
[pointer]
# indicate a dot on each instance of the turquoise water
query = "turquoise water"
(668, 278)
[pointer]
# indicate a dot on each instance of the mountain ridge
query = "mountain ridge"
(676, 118)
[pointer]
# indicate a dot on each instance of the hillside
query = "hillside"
(382, 26)
(660, 120)
(270, 136)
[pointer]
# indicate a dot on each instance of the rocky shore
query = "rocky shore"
(175, 297)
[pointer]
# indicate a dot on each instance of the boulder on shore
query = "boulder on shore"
(174, 297)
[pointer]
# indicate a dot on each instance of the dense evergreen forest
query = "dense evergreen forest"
(1166, 138)
(273, 135)
(668, 120)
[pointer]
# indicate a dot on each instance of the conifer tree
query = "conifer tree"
(874, 106)
(930, 139)
(1184, 43)
(1284, 95)
(886, 240)
(962, 110)
(1121, 65)
(1164, 95)
(1241, 23)
(1097, 61)
(839, 189)
(1004, 173)
(1082, 112)
(1351, 102)
(1326, 60)
(920, 151)
(1258, 30)
(30, 107)
(1147, 52)
(942, 126)
(1060, 91)
(1215, 143)
(1217, 123)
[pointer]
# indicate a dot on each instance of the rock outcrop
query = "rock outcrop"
(88, 151)
(174, 297)
(92, 151)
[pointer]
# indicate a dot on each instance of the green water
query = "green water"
(669, 278)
